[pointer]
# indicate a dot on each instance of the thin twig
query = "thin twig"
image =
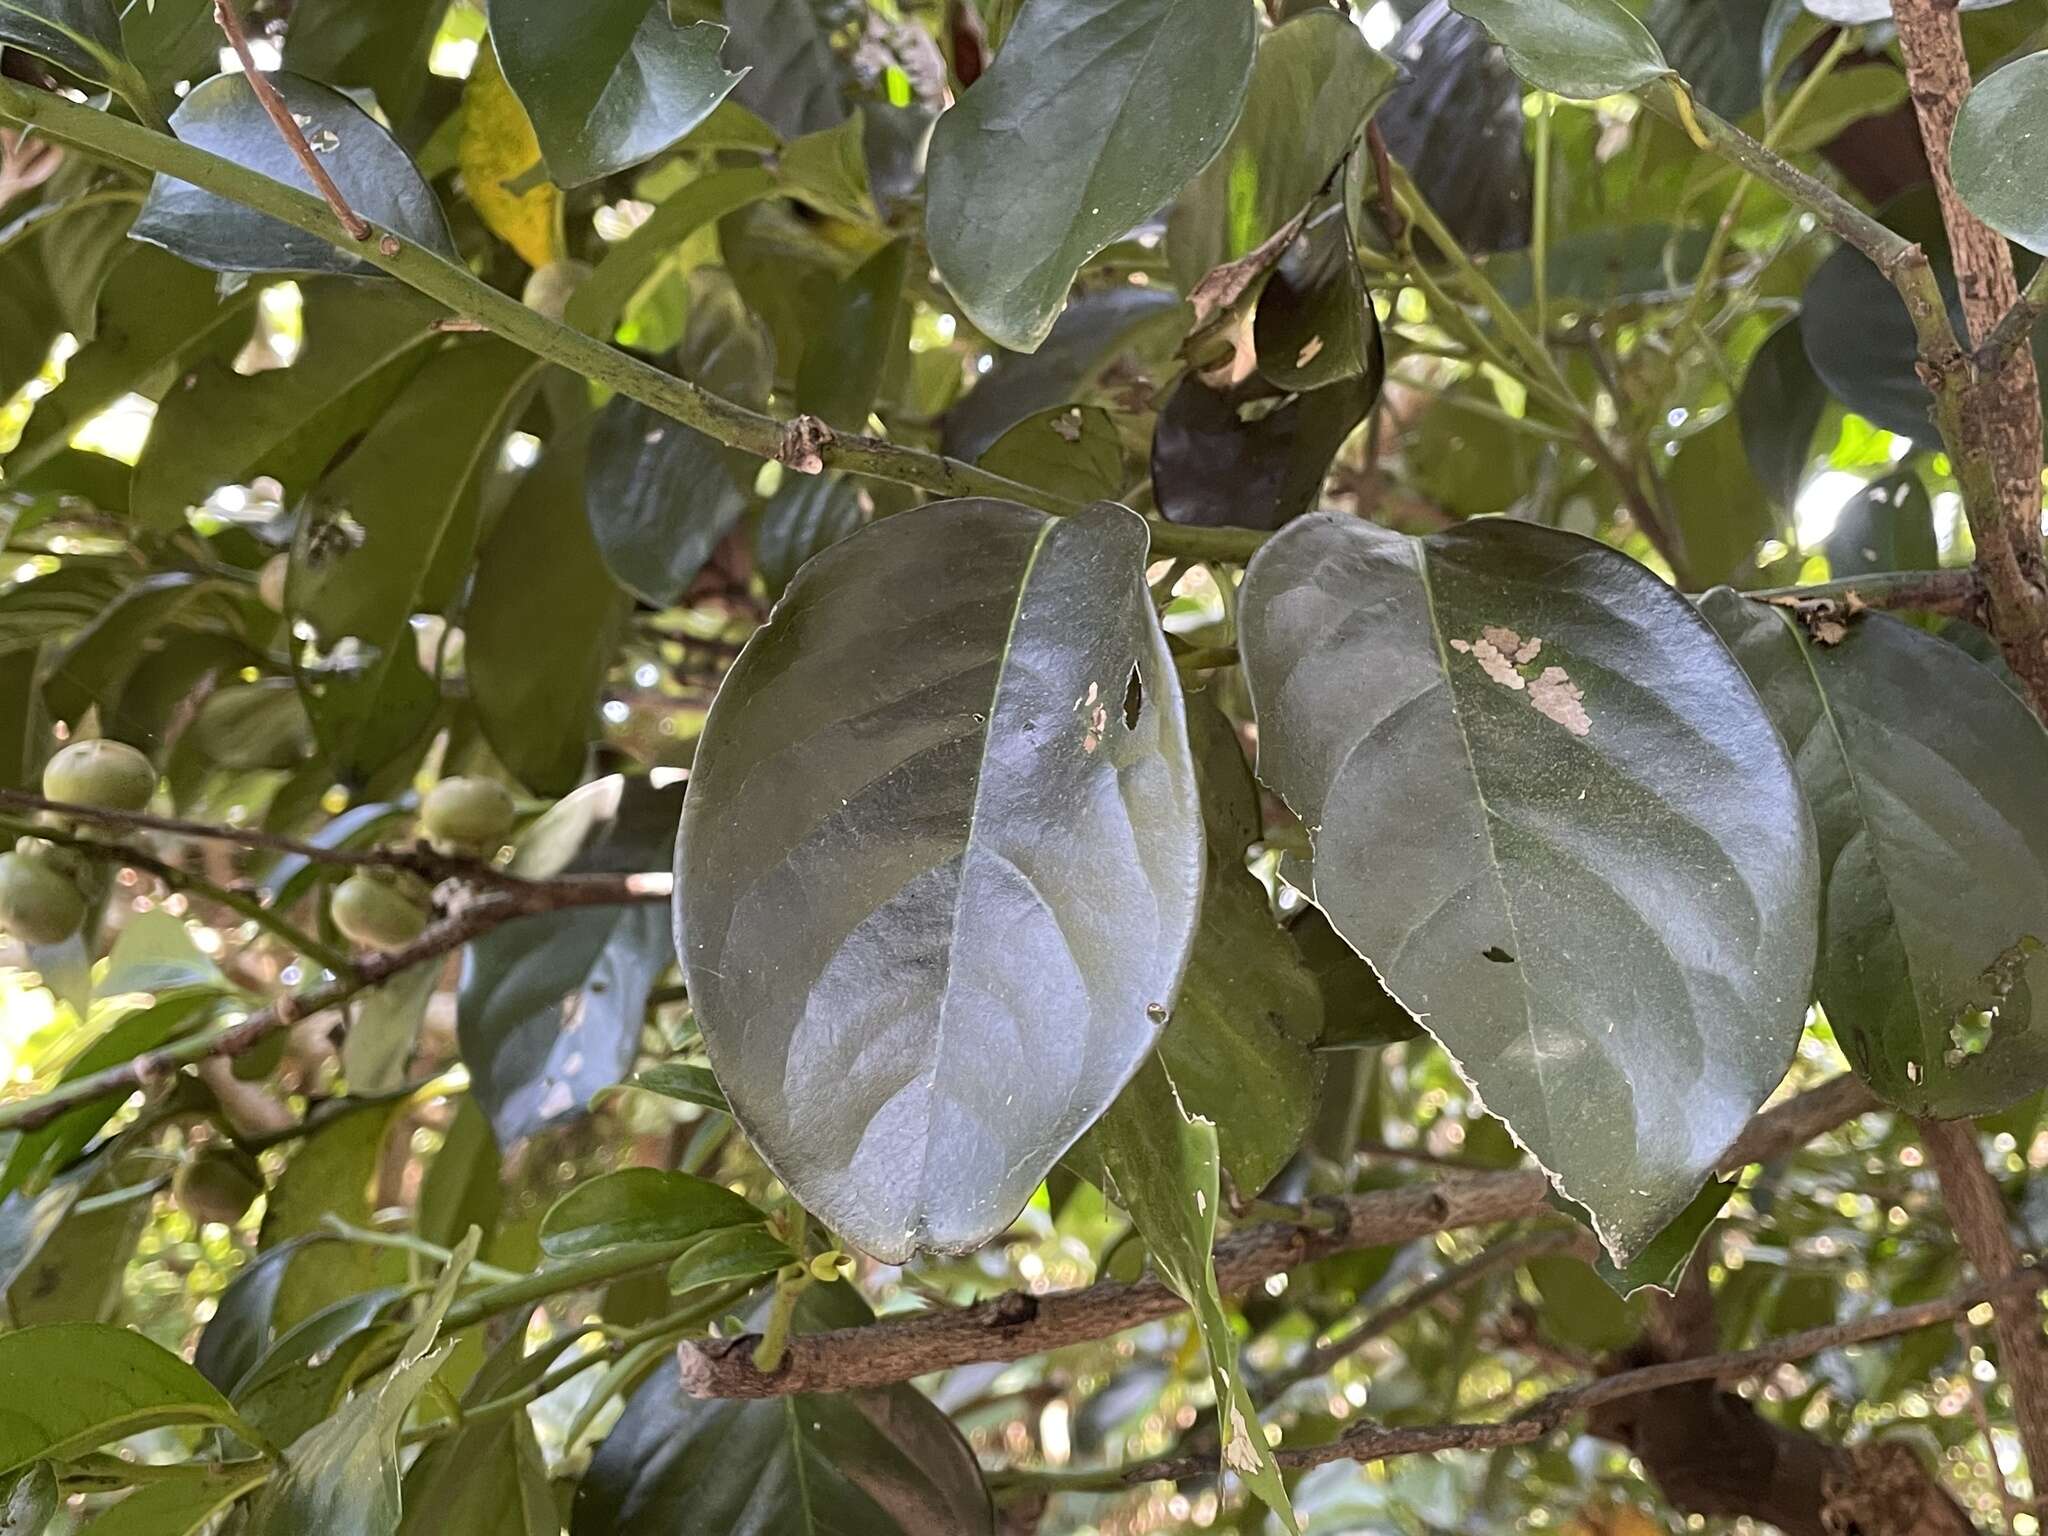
(1391, 216)
(288, 127)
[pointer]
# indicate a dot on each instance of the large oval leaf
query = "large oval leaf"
(115, 1383)
(1092, 116)
(640, 1206)
(941, 864)
(610, 83)
(83, 36)
(1546, 805)
(1924, 772)
(1578, 48)
(1996, 151)
(377, 177)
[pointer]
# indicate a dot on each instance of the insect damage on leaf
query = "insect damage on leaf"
(1979, 1017)
(1826, 620)
(1240, 1455)
(1503, 655)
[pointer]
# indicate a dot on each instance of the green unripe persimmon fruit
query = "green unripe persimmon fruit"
(549, 288)
(108, 775)
(468, 813)
(217, 1184)
(39, 904)
(378, 914)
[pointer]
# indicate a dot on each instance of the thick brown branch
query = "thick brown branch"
(1373, 1442)
(467, 922)
(1016, 1325)
(287, 126)
(1976, 1210)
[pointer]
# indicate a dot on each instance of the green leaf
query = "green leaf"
(92, 668)
(239, 1332)
(462, 1185)
(1250, 457)
(1073, 451)
(377, 177)
(115, 1382)
(680, 1081)
(341, 1477)
(490, 1475)
(728, 1255)
(384, 1024)
(660, 497)
(1780, 408)
(1546, 806)
(1313, 85)
(306, 1375)
(1090, 118)
(1583, 49)
(878, 1463)
(609, 84)
(83, 36)
(218, 427)
(550, 1007)
(156, 953)
(382, 50)
(640, 1206)
(1996, 175)
(1723, 514)
(1166, 1173)
(1315, 325)
(330, 1174)
(630, 264)
(806, 515)
(869, 327)
(1661, 1265)
(1922, 769)
(497, 148)
(175, 40)
(1886, 526)
(828, 171)
(541, 573)
(180, 1508)
(388, 533)
(792, 81)
(894, 864)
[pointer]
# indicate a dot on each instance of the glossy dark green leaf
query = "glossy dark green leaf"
(628, 265)
(1095, 328)
(1090, 118)
(82, 36)
(383, 1026)
(29, 320)
(640, 1206)
(1921, 767)
(1073, 451)
(550, 1007)
(1578, 48)
(875, 1463)
(218, 427)
(1662, 1263)
(892, 864)
(610, 84)
(792, 82)
(726, 1256)
(179, 1508)
(844, 364)
(1250, 457)
(376, 176)
(660, 497)
(1547, 807)
(679, 1080)
(1455, 123)
(1779, 409)
(807, 514)
(1164, 1168)
(388, 533)
(342, 1476)
(1995, 173)
(1886, 526)
(1723, 514)
(1313, 84)
(382, 50)
(307, 1372)
(116, 1383)
(239, 1333)
(1315, 325)
(828, 171)
(91, 669)
(1357, 1010)
(541, 573)
(178, 40)
(1717, 46)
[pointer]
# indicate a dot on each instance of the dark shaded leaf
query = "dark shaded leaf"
(933, 864)
(791, 83)
(1583, 49)
(1636, 892)
(1313, 84)
(461, 1188)
(376, 176)
(1780, 408)
(82, 36)
(1045, 161)
(1886, 526)
(844, 364)
(1315, 325)
(1922, 768)
(1250, 458)
(807, 514)
(1073, 451)
(881, 1463)
(382, 49)
(1723, 514)
(179, 1508)
(1717, 46)
(1604, 268)
(330, 1174)
(608, 84)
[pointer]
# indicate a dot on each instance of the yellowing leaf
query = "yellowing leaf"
(498, 148)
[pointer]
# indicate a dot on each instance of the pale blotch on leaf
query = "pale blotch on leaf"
(1557, 696)
(1502, 655)
(1240, 1455)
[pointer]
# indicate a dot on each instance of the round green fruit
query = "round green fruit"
(550, 288)
(468, 813)
(108, 775)
(217, 1184)
(377, 914)
(38, 904)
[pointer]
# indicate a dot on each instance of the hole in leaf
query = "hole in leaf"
(1497, 955)
(1134, 699)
